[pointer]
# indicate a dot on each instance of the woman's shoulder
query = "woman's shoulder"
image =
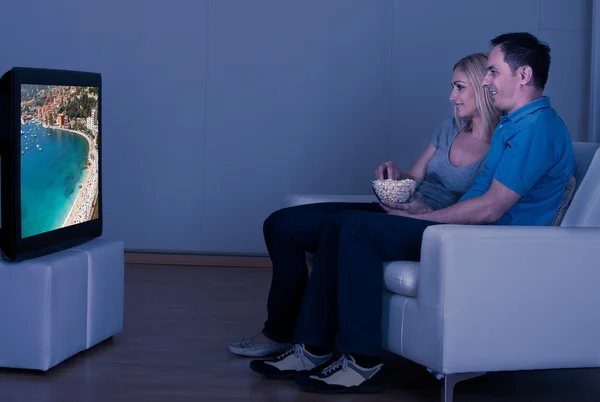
(448, 124)
(446, 130)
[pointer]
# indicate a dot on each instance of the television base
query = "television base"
(43, 251)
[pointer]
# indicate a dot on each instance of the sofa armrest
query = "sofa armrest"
(513, 298)
(301, 199)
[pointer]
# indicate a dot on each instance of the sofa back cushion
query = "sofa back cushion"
(566, 202)
(585, 206)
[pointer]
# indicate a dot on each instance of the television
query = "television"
(50, 160)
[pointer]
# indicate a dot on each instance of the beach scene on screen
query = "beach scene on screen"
(59, 157)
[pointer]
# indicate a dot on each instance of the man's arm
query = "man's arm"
(484, 209)
(527, 155)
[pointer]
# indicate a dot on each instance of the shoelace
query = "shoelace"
(297, 350)
(341, 362)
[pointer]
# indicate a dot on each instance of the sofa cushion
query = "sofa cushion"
(566, 201)
(584, 154)
(585, 206)
(401, 277)
(303, 199)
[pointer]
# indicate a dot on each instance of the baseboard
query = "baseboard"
(199, 260)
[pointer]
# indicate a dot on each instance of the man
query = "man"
(529, 163)
(531, 155)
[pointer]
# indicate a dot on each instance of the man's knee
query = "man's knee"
(354, 224)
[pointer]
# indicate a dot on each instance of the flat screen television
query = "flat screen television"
(50, 160)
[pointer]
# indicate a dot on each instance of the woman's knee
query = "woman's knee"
(273, 221)
(310, 218)
(282, 220)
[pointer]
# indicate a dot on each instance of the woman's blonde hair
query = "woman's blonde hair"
(475, 67)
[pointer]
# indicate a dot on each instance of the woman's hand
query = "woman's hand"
(388, 170)
(414, 207)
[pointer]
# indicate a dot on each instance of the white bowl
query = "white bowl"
(393, 190)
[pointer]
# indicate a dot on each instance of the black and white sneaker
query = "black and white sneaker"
(343, 376)
(296, 361)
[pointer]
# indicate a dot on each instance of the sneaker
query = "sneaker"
(296, 361)
(247, 348)
(343, 376)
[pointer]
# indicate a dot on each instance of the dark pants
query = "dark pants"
(342, 305)
(290, 233)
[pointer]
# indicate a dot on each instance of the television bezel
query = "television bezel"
(14, 246)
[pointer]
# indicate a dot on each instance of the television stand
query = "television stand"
(59, 304)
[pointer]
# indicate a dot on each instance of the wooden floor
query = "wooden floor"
(178, 322)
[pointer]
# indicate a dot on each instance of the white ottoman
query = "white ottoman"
(105, 291)
(55, 306)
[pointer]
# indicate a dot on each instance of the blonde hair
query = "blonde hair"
(475, 67)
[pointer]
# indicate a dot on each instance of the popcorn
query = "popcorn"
(393, 190)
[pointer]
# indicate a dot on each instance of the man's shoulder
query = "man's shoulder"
(549, 120)
(544, 124)
(546, 132)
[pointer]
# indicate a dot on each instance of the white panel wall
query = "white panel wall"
(431, 35)
(216, 109)
(594, 123)
(566, 26)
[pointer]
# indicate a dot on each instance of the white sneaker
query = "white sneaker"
(343, 376)
(295, 361)
(247, 348)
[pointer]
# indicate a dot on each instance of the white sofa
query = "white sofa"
(499, 298)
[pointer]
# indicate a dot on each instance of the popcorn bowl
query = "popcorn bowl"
(393, 190)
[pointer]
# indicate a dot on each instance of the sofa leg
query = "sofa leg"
(450, 380)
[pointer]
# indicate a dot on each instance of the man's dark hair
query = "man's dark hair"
(524, 49)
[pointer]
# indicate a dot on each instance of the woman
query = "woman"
(444, 172)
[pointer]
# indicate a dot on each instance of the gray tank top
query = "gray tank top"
(444, 183)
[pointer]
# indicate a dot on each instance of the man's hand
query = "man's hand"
(480, 210)
(414, 207)
(388, 170)
(399, 212)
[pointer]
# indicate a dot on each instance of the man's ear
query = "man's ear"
(525, 75)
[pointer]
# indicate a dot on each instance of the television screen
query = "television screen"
(59, 157)
(50, 160)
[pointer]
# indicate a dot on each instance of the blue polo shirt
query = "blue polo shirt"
(532, 154)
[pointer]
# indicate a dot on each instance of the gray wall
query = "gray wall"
(214, 110)
(423, 59)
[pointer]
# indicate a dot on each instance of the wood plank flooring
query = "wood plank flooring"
(178, 322)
